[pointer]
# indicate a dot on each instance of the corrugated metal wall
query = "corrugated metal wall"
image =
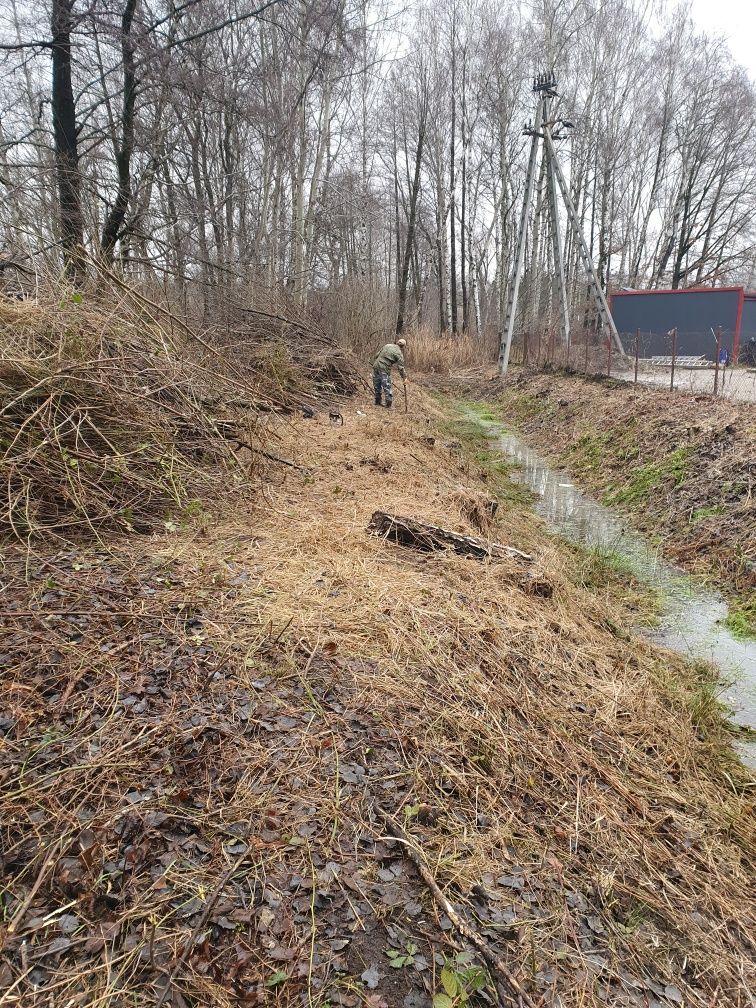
(693, 313)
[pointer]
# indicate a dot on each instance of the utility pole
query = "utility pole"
(555, 228)
(542, 134)
(505, 345)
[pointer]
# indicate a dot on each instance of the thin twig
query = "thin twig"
(189, 945)
(513, 990)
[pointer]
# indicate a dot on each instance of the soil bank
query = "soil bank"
(212, 738)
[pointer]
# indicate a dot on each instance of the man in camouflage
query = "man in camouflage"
(388, 356)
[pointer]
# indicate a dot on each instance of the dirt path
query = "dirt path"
(208, 736)
(736, 384)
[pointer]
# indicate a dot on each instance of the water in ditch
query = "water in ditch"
(692, 619)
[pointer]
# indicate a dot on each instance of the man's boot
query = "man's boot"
(388, 403)
(378, 401)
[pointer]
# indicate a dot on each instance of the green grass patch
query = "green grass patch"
(521, 407)
(741, 618)
(599, 564)
(702, 513)
(672, 469)
(613, 574)
(483, 411)
(589, 451)
(604, 451)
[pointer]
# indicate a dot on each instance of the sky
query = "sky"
(736, 20)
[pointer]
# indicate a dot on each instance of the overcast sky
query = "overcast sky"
(736, 20)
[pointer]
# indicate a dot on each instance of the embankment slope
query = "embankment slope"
(212, 736)
(681, 467)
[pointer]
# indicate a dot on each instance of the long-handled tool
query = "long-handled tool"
(405, 394)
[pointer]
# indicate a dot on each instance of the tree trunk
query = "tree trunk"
(463, 208)
(71, 218)
(410, 239)
(111, 231)
(452, 183)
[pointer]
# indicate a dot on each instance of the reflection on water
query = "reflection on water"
(692, 620)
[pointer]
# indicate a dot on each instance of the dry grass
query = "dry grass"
(431, 353)
(116, 414)
(202, 726)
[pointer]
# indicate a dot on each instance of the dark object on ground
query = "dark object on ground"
(534, 583)
(748, 353)
(420, 535)
(336, 418)
(308, 413)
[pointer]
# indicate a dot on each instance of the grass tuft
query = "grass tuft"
(741, 617)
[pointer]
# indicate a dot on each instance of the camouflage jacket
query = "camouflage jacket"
(387, 356)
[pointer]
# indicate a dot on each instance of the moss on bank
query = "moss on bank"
(741, 619)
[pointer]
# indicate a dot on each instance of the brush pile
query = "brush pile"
(116, 414)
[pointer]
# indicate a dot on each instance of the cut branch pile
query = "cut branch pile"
(121, 418)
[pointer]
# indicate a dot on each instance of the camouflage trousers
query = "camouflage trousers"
(382, 386)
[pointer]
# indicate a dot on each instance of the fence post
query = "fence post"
(550, 346)
(674, 353)
(538, 356)
(716, 359)
(637, 341)
(609, 358)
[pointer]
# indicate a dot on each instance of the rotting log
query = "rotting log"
(423, 536)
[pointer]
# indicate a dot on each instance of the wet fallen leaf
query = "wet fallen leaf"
(375, 1001)
(371, 977)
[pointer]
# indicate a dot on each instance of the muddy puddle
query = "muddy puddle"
(691, 620)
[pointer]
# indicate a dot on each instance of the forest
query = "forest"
(366, 159)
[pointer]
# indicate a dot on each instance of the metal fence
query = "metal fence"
(647, 360)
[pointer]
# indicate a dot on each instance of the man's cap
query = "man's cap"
(401, 342)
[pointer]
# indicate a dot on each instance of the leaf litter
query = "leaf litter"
(205, 735)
